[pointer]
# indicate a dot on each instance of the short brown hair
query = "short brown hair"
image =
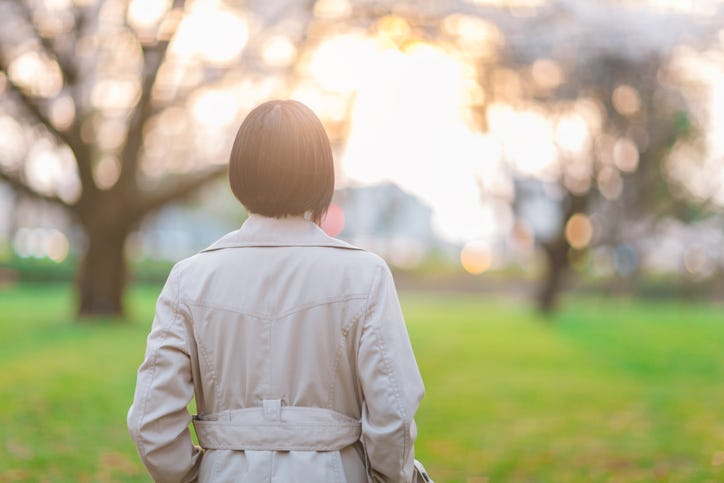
(281, 163)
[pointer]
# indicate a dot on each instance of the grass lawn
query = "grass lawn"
(608, 390)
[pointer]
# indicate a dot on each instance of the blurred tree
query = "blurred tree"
(624, 162)
(598, 74)
(128, 96)
(101, 90)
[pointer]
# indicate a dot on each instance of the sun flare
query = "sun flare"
(410, 125)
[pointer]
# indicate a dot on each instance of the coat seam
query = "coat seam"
(327, 301)
(389, 373)
(338, 355)
(147, 389)
(212, 374)
(269, 330)
(393, 386)
(282, 314)
(216, 468)
(364, 319)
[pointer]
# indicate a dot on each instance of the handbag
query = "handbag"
(420, 474)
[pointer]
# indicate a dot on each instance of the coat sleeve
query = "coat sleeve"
(158, 419)
(390, 382)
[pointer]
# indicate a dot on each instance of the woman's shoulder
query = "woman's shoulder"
(359, 256)
(262, 245)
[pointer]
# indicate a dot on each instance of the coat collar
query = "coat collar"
(293, 231)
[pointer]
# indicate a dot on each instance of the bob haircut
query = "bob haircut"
(281, 163)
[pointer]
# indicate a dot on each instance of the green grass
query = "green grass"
(608, 390)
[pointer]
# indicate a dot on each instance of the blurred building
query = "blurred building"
(387, 220)
(538, 205)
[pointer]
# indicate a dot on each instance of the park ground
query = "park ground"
(604, 390)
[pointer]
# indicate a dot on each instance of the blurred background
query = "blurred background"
(545, 178)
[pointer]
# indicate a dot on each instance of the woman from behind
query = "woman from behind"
(292, 343)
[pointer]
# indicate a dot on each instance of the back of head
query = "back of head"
(281, 163)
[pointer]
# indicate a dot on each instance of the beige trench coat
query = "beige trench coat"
(294, 347)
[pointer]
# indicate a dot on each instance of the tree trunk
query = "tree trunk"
(557, 252)
(102, 278)
(556, 268)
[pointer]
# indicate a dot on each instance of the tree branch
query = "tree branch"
(69, 73)
(141, 113)
(177, 190)
(20, 186)
(153, 57)
(34, 109)
(76, 146)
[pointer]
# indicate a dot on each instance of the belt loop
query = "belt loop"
(272, 410)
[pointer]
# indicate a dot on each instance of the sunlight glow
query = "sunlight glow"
(394, 29)
(56, 245)
(702, 176)
(547, 73)
(476, 257)
(408, 126)
(144, 14)
(278, 51)
(115, 93)
(13, 143)
(47, 169)
(609, 183)
(41, 242)
(212, 33)
(106, 172)
(510, 3)
(109, 133)
(579, 231)
(572, 133)
(36, 73)
(699, 7)
(332, 8)
(56, 4)
(326, 62)
(476, 36)
(626, 155)
(214, 107)
(527, 137)
(62, 112)
(626, 100)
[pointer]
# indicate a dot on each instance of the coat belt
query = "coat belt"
(272, 427)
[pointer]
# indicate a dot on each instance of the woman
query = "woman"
(291, 342)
